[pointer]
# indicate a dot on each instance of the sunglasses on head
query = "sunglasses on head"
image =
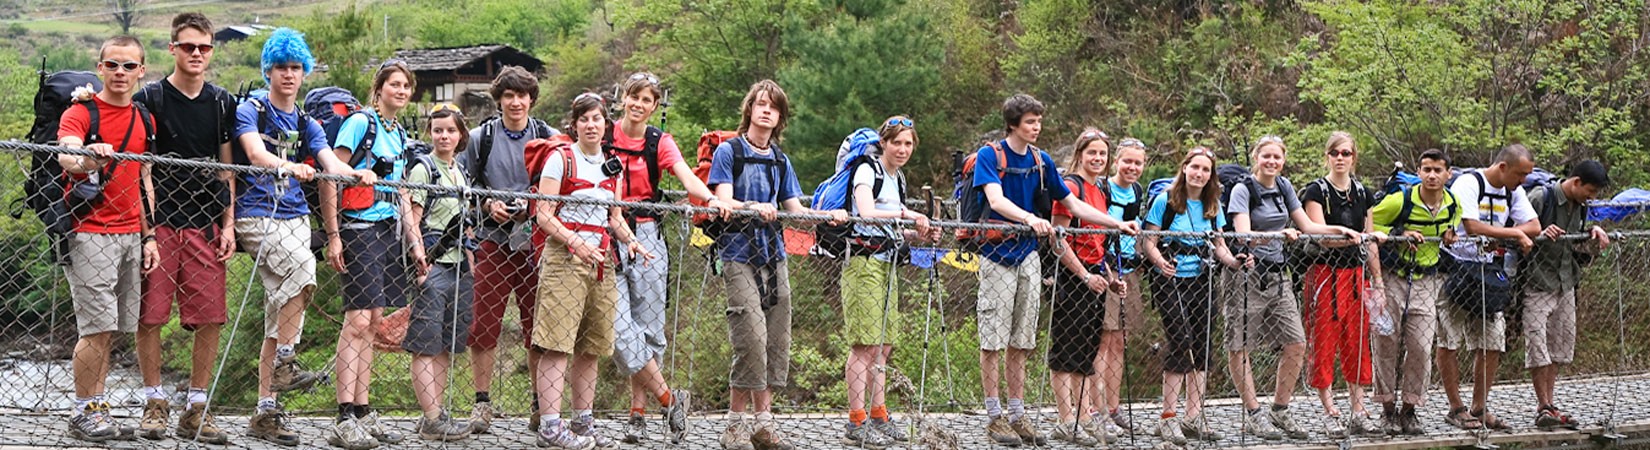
(1095, 134)
(189, 47)
(439, 107)
(392, 62)
(1201, 151)
(899, 121)
(644, 76)
(1271, 139)
(111, 65)
(1132, 142)
(591, 95)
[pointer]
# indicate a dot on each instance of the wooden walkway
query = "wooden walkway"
(1623, 401)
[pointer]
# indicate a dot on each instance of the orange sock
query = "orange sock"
(665, 399)
(879, 412)
(1168, 415)
(638, 412)
(856, 416)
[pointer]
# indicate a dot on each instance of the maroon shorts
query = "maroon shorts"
(189, 272)
(499, 273)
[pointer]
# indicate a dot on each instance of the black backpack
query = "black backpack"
(1232, 175)
(484, 148)
(649, 154)
(47, 187)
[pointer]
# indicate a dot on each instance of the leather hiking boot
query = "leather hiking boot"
(768, 437)
(157, 417)
(1000, 432)
(1028, 433)
(737, 436)
(271, 425)
(197, 425)
(481, 417)
(290, 376)
(443, 428)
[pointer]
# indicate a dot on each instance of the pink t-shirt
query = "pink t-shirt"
(637, 186)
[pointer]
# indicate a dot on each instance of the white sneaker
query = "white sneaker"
(1169, 430)
(1286, 424)
(1260, 425)
(1333, 427)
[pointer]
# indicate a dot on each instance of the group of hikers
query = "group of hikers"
(589, 278)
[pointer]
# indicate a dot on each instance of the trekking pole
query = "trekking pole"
(927, 315)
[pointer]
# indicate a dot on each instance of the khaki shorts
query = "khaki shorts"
(759, 324)
(870, 304)
(105, 275)
(576, 305)
(286, 266)
(1125, 312)
(1260, 310)
(1009, 304)
(1549, 328)
(1457, 328)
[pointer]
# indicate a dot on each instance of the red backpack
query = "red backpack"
(711, 226)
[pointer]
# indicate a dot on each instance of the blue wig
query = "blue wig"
(286, 45)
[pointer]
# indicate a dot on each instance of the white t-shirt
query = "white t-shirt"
(886, 200)
(589, 169)
(1484, 208)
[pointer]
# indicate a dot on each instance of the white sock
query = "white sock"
(81, 403)
(197, 396)
(1016, 409)
(267, 404)
(993, 407)
(550, 422)
(764, 417)
(580, 414)
(284, 350)
(154, 393)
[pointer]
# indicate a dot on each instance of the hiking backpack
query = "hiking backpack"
(837, 192)
(330, 106)
(973, 206)
(710, 225)
(45, 184)
(649, 154)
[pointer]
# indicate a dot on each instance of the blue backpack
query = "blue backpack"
(836, 192)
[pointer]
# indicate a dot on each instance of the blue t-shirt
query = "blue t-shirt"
(1185, 266)
(257, 196)
(1119, 197)
(390, 145)
(1019, 183)
(757, 244)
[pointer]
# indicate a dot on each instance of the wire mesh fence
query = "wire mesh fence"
(686, 337)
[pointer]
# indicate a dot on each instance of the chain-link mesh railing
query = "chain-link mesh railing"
(940, 336)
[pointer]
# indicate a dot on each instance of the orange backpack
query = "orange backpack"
(708, 142)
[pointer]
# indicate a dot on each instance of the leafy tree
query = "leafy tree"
(348, 44)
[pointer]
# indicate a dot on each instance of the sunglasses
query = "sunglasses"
(1095, 134)
(392, 62)
(1201, 151)
(899, 122)
(644, 76)
(591, 95)
(111, 65)
(1132, 142)
(1339, 153)
(439, 107)
(190, 48)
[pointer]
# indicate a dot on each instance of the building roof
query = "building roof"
(453, 58)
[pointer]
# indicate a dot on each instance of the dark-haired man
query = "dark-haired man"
(1550, 275)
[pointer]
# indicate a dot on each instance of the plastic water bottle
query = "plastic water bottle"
(1374, 304)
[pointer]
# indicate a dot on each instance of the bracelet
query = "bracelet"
(147, 238)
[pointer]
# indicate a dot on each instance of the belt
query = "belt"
(386, 196)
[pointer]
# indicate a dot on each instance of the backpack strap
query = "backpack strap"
(1077, 180)
(1505, 198)
(368, 140)
(484, 150)
(740, 160)
(649, 154)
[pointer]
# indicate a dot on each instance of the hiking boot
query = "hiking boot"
(349, 435)
(1198, 428)
(442, 428)
(1334, 428)
(863, 436)
(481, 417)
(1070, 433)
(635, 430)
(1260, 426)
(377, 431)
(889, 428)
(157, 417)
(290, 376)
(558, 437)
(93, 425)
(586, 426)
(1286, 424)
(737, 436)
(197, 425)
(1028, 433)
(1099, 429)
(1000, 432)
(271, 425)
(768, 437)
(1121, 420)
(1411, 423)
(676, 415)
(1170, 430)
(1391, 421)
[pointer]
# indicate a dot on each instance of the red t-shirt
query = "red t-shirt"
(121, 211)
(1090, 248)
(638, 187)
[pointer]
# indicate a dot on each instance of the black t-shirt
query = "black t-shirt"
(1347, 208)
(189, 128)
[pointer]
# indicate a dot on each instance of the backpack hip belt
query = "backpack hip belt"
(607, 242)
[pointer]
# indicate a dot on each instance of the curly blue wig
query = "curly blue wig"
(286, 45)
